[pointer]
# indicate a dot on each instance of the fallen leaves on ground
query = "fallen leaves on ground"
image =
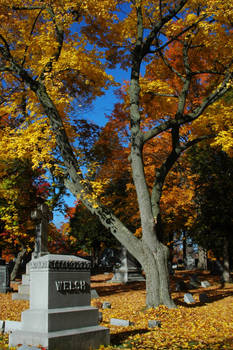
(207, 326)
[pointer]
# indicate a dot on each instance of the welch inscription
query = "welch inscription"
(72, 286)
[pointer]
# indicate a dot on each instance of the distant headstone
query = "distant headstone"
(190, 262)
(120, 323)
(203, 298)
(5, 279)
(154, 323)
(188, 298)
(24, 288)
(94, 294)
(60, 316)
(205, 284)
(129, 269)
(100, 316)
(106, 305)
(194, 285)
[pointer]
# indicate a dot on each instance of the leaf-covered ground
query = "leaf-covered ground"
(195, 326)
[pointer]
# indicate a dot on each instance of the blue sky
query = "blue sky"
(102, 106)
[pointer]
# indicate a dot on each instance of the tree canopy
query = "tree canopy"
(54, 57)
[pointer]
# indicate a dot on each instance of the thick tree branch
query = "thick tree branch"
(153, 34)
(187, 118)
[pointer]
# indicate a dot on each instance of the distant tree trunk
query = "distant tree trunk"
(18, 260)
(226, 265)
(202, 258)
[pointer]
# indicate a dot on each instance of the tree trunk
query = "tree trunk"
(18, 260)
(155, 266)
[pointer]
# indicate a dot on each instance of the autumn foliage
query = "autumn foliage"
(198, 326)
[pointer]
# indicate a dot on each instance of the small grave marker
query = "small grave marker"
(205, 284)
(4, 279)
(154, 323)
(119, 322)
(106, 305)
(94, 294)
(188, 298)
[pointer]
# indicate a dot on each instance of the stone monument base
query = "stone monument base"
(81, 338)
(60, 315)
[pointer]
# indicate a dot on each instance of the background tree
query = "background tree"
(188, 42)
(212, 228)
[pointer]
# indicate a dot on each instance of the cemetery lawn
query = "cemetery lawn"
(199, 325)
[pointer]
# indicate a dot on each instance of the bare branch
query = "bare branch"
(161, 95)
(150, 38)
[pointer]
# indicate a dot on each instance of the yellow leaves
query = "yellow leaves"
(155, 86)
(218, 120)
(198, 327)
(34, 141)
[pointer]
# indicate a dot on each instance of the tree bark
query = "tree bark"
(18, 261)
(155, 266)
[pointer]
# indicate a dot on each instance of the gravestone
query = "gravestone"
(205, 284)
(194, 282)
(41, 215)
(154, 323)
(4, 277)
(120, 322)
(129, 269)
(60, 316)
(188, 298)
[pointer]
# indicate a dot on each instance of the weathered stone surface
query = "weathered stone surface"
(205, 284)
(60, 316)
(194, 285)
(94, 294)
(120, 322)
(154, 323)
(26, 347)
(188, 298)
(100, 316)
(106, 305)
(11, 326)
(129, 269)
(2, 326)
(4, 279)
